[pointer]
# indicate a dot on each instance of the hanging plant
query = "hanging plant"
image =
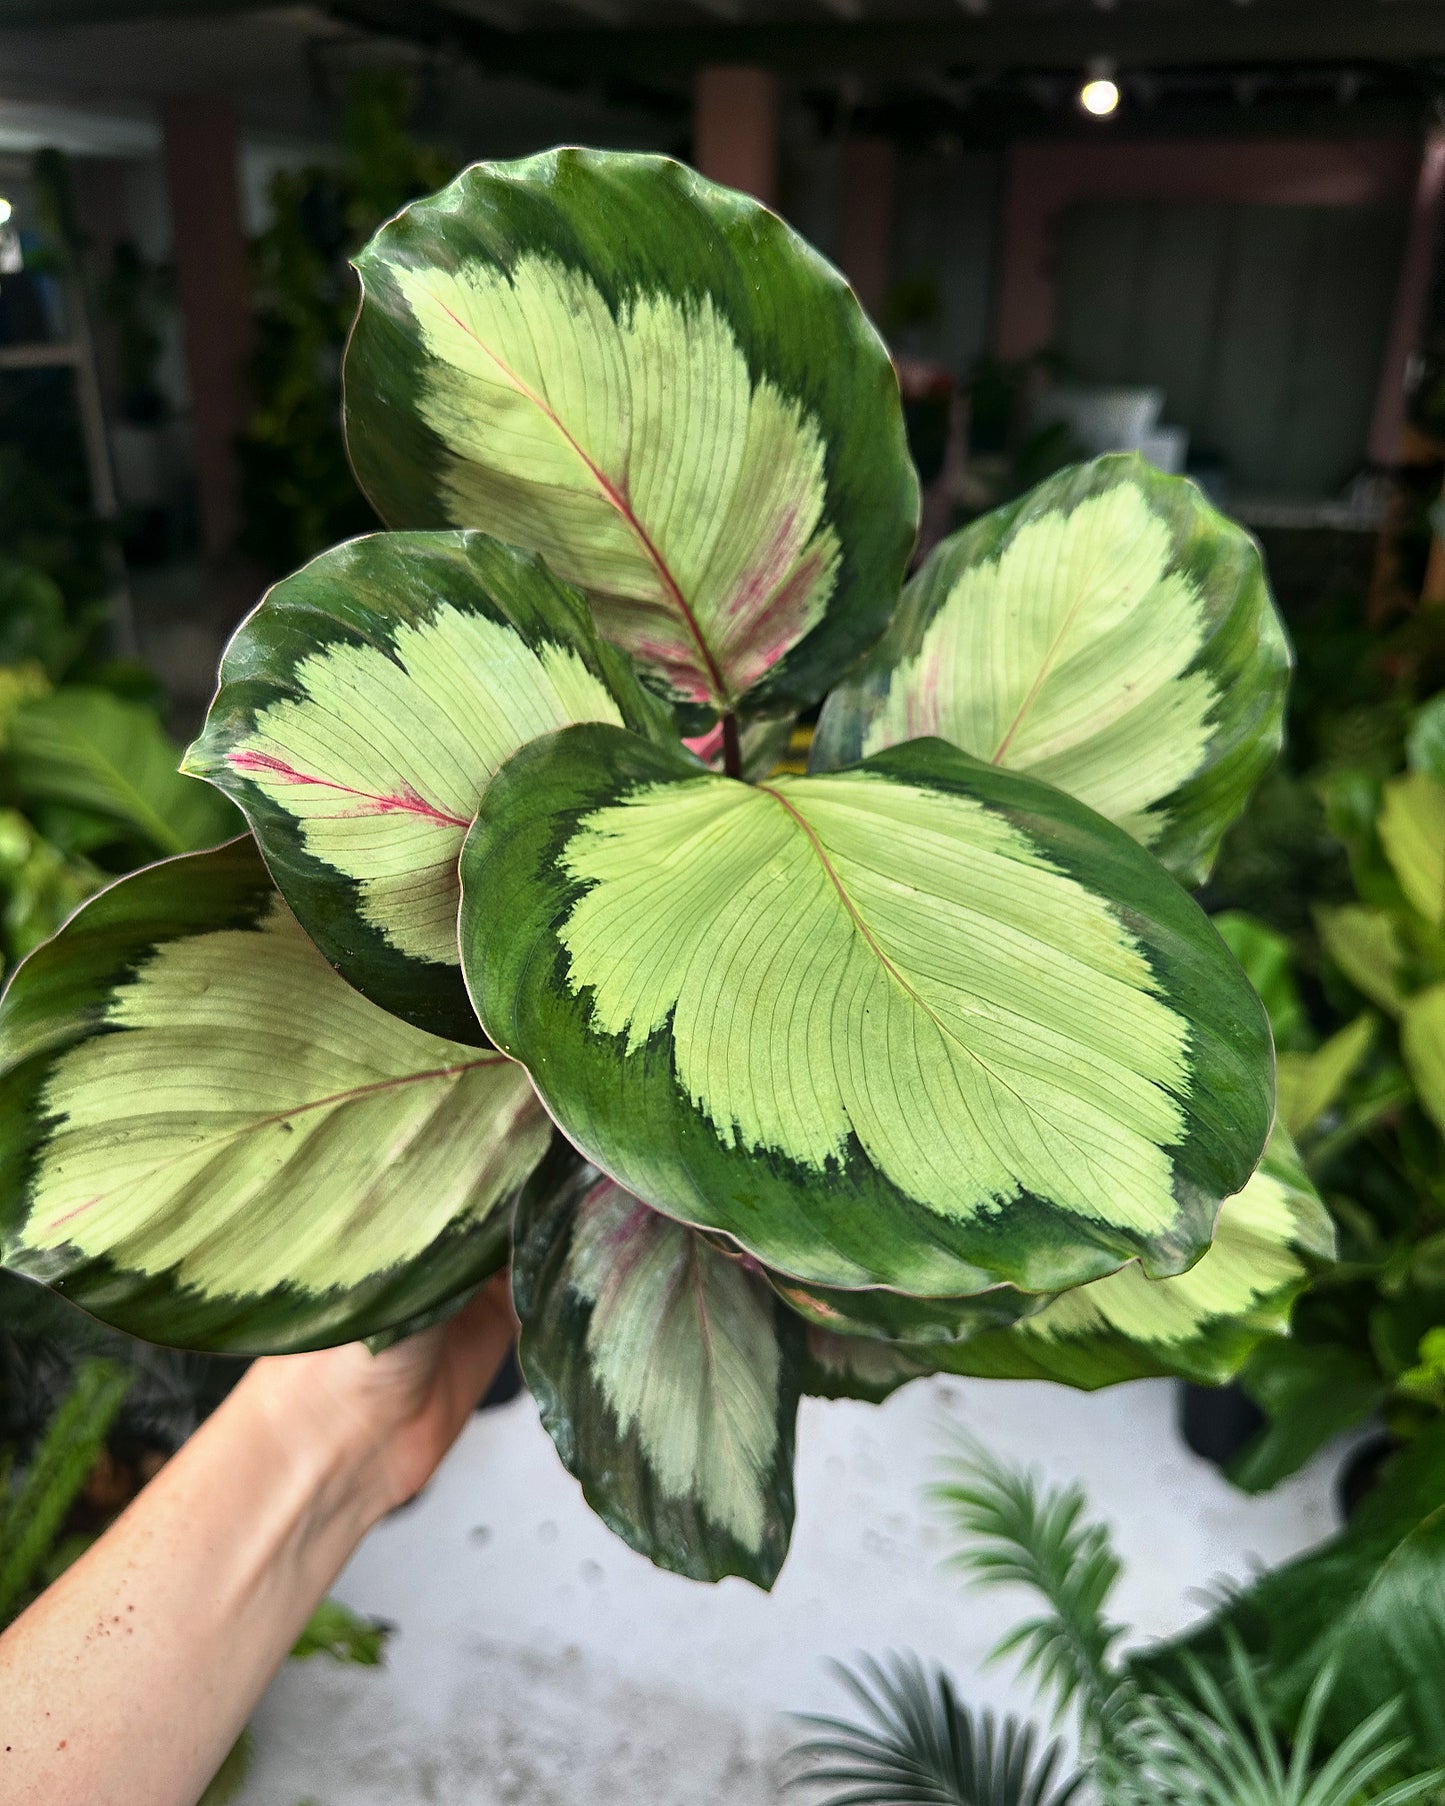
(764, 1085)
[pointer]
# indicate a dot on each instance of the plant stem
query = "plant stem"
(732, 747)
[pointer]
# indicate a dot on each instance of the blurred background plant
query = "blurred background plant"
(1332, 893)
(1226, 1717)
(298, 493)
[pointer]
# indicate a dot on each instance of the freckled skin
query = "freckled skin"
(224, 1556)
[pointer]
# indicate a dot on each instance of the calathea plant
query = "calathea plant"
(764, 1086)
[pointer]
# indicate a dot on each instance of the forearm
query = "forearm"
(128, 1681)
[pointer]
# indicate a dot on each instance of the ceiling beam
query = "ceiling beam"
(1204, 34)
(1188, 33)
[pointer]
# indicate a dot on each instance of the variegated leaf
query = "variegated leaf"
(1412, 832)
(1110, 633)
(841, 1366)
(1201, 1325)
(363, 707)
(658, 386)
(207, 1139)
(666, 1373)
(923, 1024)
(892, 1316)
(1422, 1040)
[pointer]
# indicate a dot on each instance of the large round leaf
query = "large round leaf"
(666, 1373)
(923, 1024)
(1202, 1325)
(1111, 633)
(658, 386)
(207, 1139)
(362, 708)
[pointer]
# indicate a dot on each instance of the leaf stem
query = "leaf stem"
(732, 747)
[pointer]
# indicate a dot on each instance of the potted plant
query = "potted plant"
(923, 1060)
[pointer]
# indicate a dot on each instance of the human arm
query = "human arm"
(126, 1683)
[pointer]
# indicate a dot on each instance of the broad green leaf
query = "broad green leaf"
(666, 1373)
(1110, 633)
(1412, 830)
(1365, 944)
(1310, 1393)
(657, 385)
(1201, 1325)
(89, 749)
(1426, 743)
(1268, 961)
(1422, 1041)
(207, 1139)
(923, 1024)
(362, 709)
(842, 1366)
(1370, 1604)
(1311, 1083)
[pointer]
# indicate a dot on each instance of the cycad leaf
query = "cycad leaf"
(658, 386)
(1110, 633)
(207, 1139)
(666, 1373)
(91, 750)
(923, 1024)
(1202, 1325)
(1422, 1041)
(1412, 831)
(362, 708)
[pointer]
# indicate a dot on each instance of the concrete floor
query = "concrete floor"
(537, 1661)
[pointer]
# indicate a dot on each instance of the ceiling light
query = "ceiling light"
(1100, 92)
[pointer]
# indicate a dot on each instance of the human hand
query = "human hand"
(392, 1416)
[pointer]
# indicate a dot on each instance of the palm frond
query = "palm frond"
(1200, 1747)
(1022, 1533)
(917, 1744)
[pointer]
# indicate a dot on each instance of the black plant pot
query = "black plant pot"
(1361, 1473)
(505, 1387)
(1217, 1422)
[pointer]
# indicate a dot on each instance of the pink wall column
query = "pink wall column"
(865, 233)
(1043, 179)
(1387, 429)
(213, 281)
(735, 129)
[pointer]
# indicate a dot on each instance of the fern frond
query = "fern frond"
(32, 1517)
(917, 1744)
(1022, 1533)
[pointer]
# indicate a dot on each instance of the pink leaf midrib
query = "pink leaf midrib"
(405, 801)
(616, 498)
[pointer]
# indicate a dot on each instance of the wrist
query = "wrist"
(329, 1449)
